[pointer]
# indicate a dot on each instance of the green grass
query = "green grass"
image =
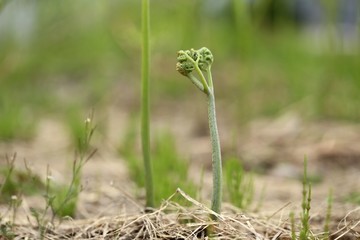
(171, 168)
(304, 232)
(353, 197)
(61, 199)
(328, 215)
(16, 182)
(66, 198)
(17, 120)
(80, 53)
(239, 184)
(93, 51)
(305, 205)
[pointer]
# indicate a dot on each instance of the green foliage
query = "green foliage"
(63, 199)
(353, 197)
(304, 233)
(292, 221)
(16, 120)
(305, 206)
(239, 184)
(128, 150)
(6, 230)
(76, 61)
(328, 215)
(80, 130)
(18, 182)
(171, 169)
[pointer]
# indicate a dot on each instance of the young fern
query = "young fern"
(199, 61)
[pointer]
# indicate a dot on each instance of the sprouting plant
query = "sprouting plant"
(328, 215)
(64, 204)
(17, 182)
(10, 169)
(41, 216)
(305, 233)
(292, 221)
(62, 200)
(305, 205)
(200, 61)
(145, 105)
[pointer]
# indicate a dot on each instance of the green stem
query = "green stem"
(196, 82)
(209, 77)
(216, 156)
(145, 129)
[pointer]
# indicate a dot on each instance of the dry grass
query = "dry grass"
(172, 221)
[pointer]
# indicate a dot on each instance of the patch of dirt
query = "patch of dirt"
(110, 204)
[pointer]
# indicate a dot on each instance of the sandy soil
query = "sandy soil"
(274, 149)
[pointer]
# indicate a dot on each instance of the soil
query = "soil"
(272, 148)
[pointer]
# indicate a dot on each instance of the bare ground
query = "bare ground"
(108, 208)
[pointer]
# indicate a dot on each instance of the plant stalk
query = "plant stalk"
(216, 156)
(145, 129)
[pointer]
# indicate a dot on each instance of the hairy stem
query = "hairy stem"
(196, 82)
(216, 156)
(145, 129)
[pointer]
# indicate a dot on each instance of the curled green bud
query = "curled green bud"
(199, 60)
(187, 59)
(206, 58)
(181, 56)
(184, 65)
(184, 68)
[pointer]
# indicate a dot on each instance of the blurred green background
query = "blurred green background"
(61, 58)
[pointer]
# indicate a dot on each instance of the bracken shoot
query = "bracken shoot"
(200, 61)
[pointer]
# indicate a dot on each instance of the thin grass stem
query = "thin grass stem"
(145, 105)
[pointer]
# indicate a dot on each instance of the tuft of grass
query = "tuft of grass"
(239, 184)
(63, 199)
(328, 215)
(60, 200)
(292, 221)
(171, 169)
(305, 205)
(353, 197)
(18, 182)
(304, 233)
